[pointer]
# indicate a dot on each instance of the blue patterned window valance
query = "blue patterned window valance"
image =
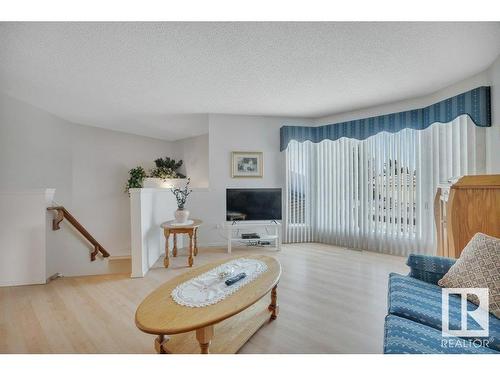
(474, 103)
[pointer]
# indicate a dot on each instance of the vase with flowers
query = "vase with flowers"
(181, 214)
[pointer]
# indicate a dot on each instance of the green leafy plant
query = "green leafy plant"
(182, 194)
(137, 175)
(167, 168)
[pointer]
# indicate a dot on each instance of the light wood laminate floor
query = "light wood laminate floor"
(332, 300)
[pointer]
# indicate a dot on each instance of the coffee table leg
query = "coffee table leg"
(204, 336)
(174, 250)
(273, 307)
(165, 261)
(160, 342)
(190, 260)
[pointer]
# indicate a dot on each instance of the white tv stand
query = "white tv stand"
(234, 226)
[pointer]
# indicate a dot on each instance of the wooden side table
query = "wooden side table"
(170, 227)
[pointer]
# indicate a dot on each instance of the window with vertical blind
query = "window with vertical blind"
(377, 193)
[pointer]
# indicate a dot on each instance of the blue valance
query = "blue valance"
(474, 103)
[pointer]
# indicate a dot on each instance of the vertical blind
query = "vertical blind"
(377, 194)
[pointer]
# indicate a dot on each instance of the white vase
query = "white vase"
(181, 216)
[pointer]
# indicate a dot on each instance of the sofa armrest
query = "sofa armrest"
(428, 268)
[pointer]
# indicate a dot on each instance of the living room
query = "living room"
(249, 187)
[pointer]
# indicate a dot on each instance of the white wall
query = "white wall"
(229, 133)
(23, 236)
(87, 166)
(149, 209)
(193, 152)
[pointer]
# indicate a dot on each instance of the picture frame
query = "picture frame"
(247, 164)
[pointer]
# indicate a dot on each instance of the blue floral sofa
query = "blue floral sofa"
(413, 323)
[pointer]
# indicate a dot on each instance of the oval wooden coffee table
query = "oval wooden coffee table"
(237, 317)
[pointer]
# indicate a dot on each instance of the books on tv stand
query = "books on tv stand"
(233, 229)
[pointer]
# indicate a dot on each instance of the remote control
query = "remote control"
(235, 279)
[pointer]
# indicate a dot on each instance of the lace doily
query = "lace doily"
(209, 287)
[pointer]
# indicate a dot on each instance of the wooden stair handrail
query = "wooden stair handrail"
(64, 213)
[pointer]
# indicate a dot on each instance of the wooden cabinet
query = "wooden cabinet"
(462, 208)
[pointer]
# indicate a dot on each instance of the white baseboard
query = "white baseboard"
(213, 244)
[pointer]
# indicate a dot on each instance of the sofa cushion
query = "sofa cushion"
(421, 302)
(429, 268)
(403, 336)
(478, 267)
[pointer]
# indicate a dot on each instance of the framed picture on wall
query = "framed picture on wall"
(246, 164)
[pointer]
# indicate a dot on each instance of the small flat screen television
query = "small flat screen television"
(253, 204)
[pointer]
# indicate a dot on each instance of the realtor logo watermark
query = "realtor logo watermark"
(479, 316)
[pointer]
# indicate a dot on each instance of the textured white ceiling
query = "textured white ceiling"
(157, 79)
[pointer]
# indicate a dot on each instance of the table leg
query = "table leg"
(190, 260)
(174, 250)
(204, 336)
(160, 342)
(273, 307)
(166, 261)
(195, 241)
